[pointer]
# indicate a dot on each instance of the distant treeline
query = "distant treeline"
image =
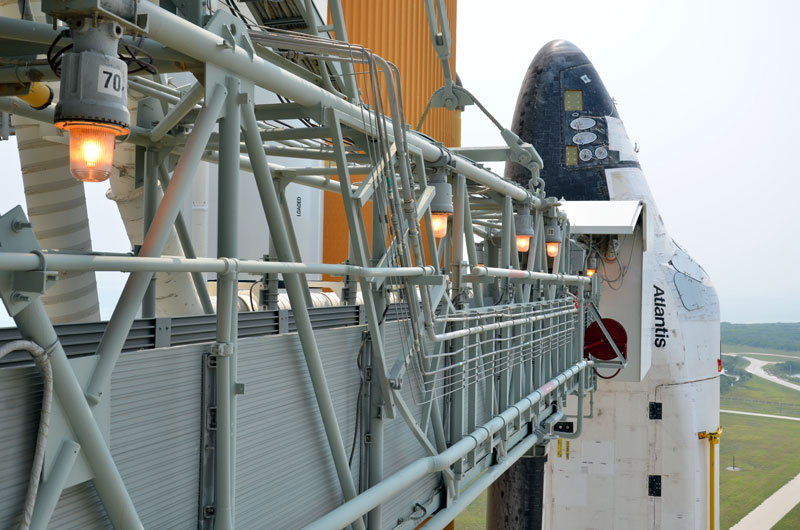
(784, 370)
(781, 336)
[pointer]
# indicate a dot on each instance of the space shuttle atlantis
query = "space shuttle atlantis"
(640, 462)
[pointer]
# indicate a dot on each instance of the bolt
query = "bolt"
(18, 224)
(17, 296)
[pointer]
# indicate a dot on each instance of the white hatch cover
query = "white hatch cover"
(602, 217)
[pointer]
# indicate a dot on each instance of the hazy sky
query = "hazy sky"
(706, 89)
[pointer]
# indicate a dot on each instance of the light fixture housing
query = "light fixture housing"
(441, 204)
(439, 224)
(91, 150)
(93, 103)
(591, 266)
(552, 237)
(480, 254)
(523, 226)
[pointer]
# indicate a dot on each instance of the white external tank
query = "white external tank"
(56, 204)
(175, 292)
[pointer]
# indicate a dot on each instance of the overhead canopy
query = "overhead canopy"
(602, 217)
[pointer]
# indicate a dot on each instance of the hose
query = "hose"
(42, 359)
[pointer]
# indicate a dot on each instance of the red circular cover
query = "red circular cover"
(596, 345)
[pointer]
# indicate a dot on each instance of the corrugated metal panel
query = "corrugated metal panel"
(83, 338)
(155, 433)
(20, 400)
(156, 416)
(398, 32)
(284, 472)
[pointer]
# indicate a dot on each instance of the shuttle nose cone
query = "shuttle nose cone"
(565, 111)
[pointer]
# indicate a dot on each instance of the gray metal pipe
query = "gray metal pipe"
(152, 92)
(294, 287)
(125, 311)
(176, 113)
(194, 41)
(226, 431)
(39, 32)
(497, 325)
(579, 419)
(389, 487)
(227, 310)
(188, 248)
(481, 484)
(348, 73)
(21, 261)
(495, 272)
(50, 490)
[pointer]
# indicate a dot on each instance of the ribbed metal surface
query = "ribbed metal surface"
(285, 475)
(20, 400)
(82, 339)
(398, 32)
(284, 471)
(330, 317)
(155, 432)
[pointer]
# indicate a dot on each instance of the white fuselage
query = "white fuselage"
(601, 481)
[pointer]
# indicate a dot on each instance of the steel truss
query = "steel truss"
(505, 333)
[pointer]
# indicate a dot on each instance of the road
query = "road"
(756, 367)
(759, 415)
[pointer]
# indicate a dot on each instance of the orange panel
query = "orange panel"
(398, 32)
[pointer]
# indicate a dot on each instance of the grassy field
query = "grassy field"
(474, 517)
(791, 521)
(745, 396)
(765, 449)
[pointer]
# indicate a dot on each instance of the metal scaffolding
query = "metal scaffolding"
(489, 329)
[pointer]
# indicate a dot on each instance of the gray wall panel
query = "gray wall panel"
(156, 418)
(284, 472)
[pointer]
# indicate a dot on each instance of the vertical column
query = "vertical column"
(227, 307)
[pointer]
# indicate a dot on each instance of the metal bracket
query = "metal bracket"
(19, 288)
(207, 444)
(163, 335)
(564, 426)
(655, 410)
(522, 153)
(232, 31)
(62, 430)
(124, 12)
(223, 349)
(654, 485)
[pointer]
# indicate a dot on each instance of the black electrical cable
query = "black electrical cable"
(54, 57)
